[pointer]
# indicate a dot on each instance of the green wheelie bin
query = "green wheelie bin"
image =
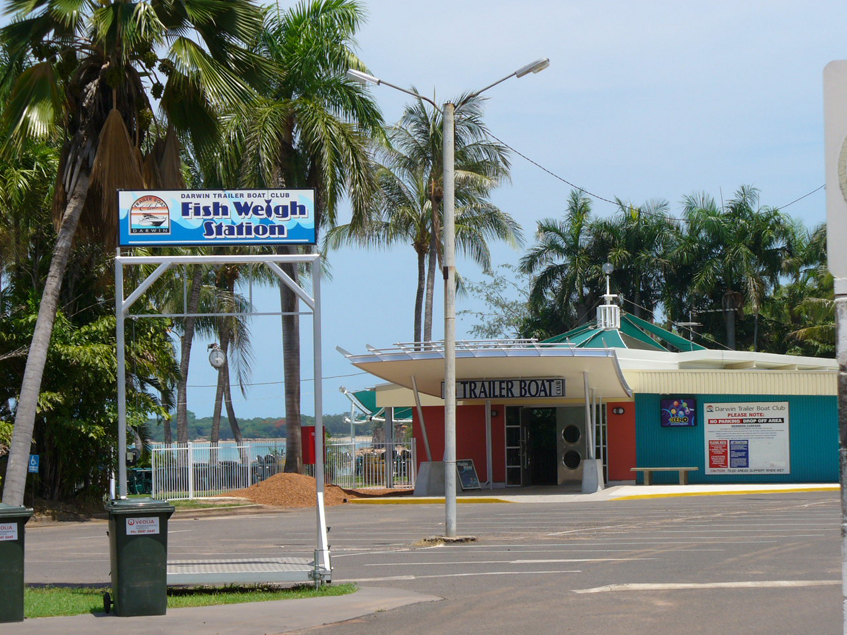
(138, 550)
(12, 521)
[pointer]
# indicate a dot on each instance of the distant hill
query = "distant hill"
(256, 428)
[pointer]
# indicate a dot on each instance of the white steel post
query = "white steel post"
(841, 355)
(589, 427)
(449, 323)
(322, 552)
(190, 463)
(121, 370)
(489, 465)
(835, 155)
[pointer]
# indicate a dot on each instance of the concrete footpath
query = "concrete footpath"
(252, 618)
(571, 494)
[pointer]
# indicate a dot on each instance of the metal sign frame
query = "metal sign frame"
(313, 302)
(835, 138)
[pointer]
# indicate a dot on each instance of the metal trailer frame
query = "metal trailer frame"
(234, 571)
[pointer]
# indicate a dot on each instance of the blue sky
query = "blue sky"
(642, 100)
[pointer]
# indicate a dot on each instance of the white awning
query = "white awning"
(489, 361)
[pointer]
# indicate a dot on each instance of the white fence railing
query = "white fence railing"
(200, 470)
(378, 466)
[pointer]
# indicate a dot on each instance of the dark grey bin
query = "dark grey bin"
(12, 532)
(138, 550)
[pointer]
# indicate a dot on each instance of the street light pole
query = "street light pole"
(449, 209)
(449, 205)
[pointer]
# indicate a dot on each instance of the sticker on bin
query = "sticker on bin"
(8, 531)
(141, 526)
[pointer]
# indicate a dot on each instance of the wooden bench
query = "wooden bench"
(648, 473)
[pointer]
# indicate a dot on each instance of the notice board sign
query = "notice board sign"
(216, 218)
(747, 438)
(467, 474)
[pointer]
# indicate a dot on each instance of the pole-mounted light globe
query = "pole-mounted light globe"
(217, 357)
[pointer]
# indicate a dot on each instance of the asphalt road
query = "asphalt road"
(747, 564)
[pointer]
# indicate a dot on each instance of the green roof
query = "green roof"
(633, 333)
(367, 398)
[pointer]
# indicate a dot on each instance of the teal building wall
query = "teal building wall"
(813, 437)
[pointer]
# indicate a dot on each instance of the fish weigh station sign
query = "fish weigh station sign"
(167, 218)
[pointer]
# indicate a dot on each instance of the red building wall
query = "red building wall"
(470, 437)
(621, 440)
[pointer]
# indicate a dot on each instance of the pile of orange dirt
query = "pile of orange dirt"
(291, 490)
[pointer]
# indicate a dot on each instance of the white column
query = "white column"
(449, 325)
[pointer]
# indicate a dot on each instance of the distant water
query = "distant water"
(228, 451)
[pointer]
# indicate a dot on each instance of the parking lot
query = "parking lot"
(754, 563)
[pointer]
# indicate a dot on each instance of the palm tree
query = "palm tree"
(565, 265)
(736, 251)
(309, 129)
(481, 164)
(636, 242)
(95, 68)
(802, 311)
(234, 338)
(410, 181)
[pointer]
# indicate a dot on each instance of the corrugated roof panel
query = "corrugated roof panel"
(739, 382)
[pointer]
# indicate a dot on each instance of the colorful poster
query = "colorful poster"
(218, 218)
(678, 411)
(747, 438)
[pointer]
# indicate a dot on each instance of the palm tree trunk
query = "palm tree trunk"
(215, 433)
(430, 291)
(729, 316)
(185, 356)
(434, 257)
(419, 295)
(291, 369)
(230, 413)
(226, 340)
(16, 471)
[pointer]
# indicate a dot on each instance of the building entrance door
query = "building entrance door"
(539, 431)
(544, 446)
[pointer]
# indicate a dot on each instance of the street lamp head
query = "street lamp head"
(535, 67)
(362, 78)
(607, 268)
(217, 358)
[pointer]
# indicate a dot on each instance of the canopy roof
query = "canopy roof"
(633, 333)
(498, 359)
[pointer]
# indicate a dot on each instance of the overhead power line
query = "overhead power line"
(603, 198)
(277, 383)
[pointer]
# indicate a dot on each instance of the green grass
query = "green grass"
(55, 601)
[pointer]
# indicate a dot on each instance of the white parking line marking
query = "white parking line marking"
(452, 562)
(753, 584)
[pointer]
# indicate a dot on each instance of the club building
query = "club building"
(616, 394)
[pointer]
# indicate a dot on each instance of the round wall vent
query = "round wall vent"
(571, 434)
(572, 459)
